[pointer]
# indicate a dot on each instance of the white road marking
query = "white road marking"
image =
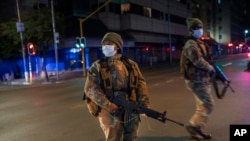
(169, 81)
(227, 64)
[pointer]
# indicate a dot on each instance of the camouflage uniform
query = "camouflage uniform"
(196, 69)
(113, 127)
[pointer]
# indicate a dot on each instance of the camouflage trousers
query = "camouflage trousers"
(115, 130)
(203, 100)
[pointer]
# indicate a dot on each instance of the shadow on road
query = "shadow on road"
(165, 138)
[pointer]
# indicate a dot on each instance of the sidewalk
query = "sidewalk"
(66, 75)
(77, 74)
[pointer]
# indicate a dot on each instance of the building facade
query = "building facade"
(154, 31)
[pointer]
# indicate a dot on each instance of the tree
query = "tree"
(9, 40)
(38, 30)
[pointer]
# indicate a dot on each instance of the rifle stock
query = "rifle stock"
(121, 101)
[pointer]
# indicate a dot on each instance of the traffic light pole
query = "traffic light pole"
(30, 69)
(31, 51)
(83, 54)
(81, 33)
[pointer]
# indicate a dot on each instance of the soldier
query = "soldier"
(112, 76)
(196, 70)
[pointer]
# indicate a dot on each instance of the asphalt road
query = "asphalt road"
(55, 112)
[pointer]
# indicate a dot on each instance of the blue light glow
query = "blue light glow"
(74, 50)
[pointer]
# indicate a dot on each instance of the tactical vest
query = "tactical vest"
(185, 63)
(106, 84)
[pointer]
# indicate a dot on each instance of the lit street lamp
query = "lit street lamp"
(245, 35)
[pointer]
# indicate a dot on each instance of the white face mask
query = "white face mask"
(198, 33)
(108, 50)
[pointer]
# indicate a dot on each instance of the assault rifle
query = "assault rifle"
(121, 101)
(219, 75)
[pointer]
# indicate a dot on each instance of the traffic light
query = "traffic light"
(77, 44)
(31, 49)
(80, 42)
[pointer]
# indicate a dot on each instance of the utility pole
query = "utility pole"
(21, 38)
(54, 35)
(169, 34)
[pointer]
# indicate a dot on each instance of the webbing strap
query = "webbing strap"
(107, 78)
(106, 82)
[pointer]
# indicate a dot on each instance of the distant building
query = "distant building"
(225, 20)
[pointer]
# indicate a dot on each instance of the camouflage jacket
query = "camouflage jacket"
(119, 78)
(193, 62)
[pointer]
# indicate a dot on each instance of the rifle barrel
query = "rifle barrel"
(176, 122)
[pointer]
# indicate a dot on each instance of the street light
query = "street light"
(245, 35)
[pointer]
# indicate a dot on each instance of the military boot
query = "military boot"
(197, 133)
(204, 135)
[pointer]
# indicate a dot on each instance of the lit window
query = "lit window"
(147, 11)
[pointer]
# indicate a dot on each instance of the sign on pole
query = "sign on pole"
(19, 27)
(57, 37)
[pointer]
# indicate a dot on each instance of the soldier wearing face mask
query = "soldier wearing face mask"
(109, 77)
(196, 71)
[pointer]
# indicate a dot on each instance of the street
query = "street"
(55, 112)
